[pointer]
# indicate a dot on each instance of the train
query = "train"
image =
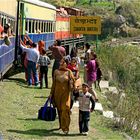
(41, 20)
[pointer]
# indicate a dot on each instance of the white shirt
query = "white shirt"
(32, 54)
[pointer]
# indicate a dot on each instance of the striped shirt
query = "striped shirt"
(44, 60)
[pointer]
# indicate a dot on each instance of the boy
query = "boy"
(84, 108)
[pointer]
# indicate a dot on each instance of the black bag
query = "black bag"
(47, 113)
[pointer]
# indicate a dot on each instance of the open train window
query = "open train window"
(36, 26)
(39, 26)
(42, 27)
(13, 23)
(26, 25)
(33, 26)
(5, 20)
(47, 24)
(2, 21)
(30, 26)
(54, 27)
(50, 26)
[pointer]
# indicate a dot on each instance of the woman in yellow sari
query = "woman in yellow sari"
(60, 94)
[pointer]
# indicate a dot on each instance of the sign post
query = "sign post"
(86, 25)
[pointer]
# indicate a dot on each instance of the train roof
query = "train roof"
(39, 3)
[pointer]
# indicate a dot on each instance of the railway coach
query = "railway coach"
(33, 16)
(8, 12)
(63, 28)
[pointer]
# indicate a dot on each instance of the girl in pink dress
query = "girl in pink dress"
(92, 73)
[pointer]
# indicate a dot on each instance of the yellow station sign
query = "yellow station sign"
(85, 25)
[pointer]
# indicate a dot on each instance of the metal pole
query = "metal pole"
(97, 42)
(17, 33)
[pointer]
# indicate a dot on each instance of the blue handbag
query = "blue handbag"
(47, 112)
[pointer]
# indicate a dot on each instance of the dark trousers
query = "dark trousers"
(84, 117)
(31, 68)
(44, 71)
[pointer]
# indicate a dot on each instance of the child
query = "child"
(84, 108)
(99, 76)
(91, 73)
(74, 68)
(44, 61)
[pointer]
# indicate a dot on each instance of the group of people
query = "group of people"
(92, 71)
(66, 81)
(34, 57)
(65, 70)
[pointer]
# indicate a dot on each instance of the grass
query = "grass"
(19, 109)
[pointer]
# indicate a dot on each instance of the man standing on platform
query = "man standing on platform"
(32, 59)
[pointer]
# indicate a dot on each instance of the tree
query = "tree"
(90, 2)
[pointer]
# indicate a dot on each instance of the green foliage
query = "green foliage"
(130, 10)
(124, 63)
(108, 5)
(61, 2)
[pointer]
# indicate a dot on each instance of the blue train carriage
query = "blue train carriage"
(7, 17)
(38, 19)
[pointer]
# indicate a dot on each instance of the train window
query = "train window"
(39, 26)
(2, 21)
(8, 20)
(30, 26)
(26, 25)
(47, 26)
(33, 26)
(13, 25)
(42, 27)
(36, 26)
(5, 21)
(51, 27)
